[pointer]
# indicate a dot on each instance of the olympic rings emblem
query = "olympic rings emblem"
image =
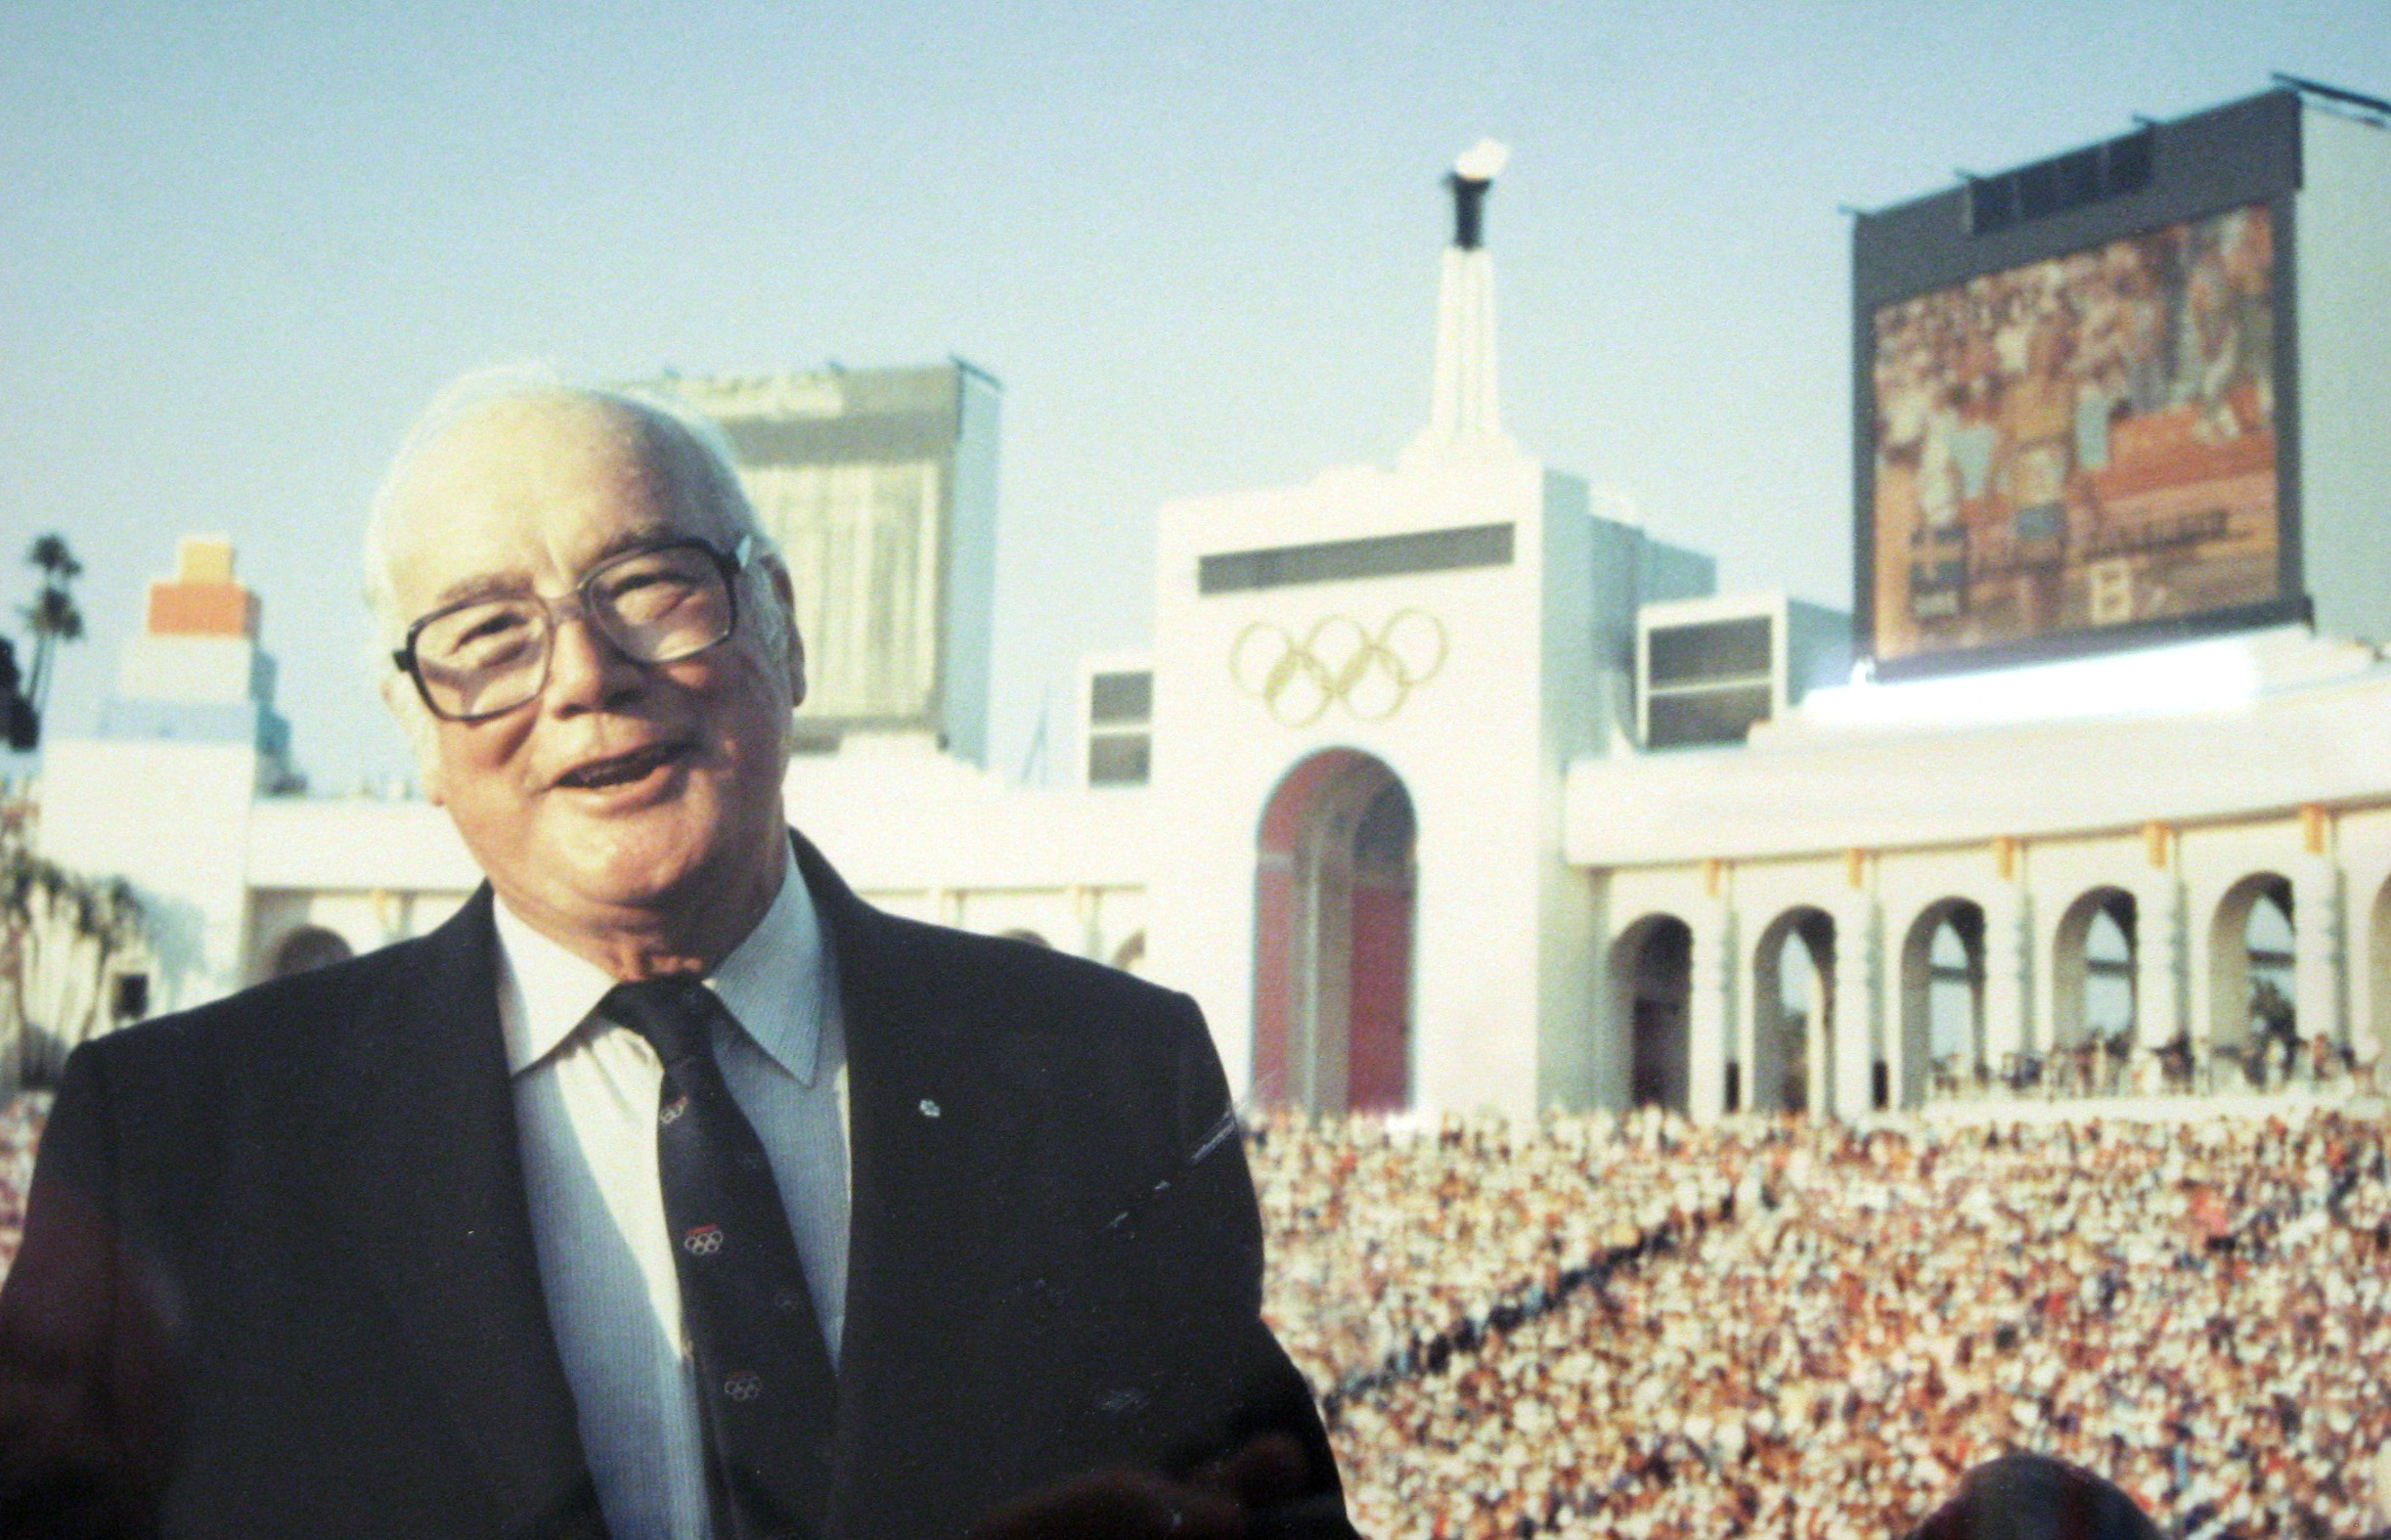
(1339, 662)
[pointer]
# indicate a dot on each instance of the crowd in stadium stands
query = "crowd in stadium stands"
(1634, 1328)
(1389, 1251)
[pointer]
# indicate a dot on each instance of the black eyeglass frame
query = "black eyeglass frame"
(731, 565)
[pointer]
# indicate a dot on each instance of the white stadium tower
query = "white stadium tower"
(1443, 788)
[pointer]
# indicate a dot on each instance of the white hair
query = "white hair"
(685, 447)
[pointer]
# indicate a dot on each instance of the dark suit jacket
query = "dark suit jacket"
(278, 1276)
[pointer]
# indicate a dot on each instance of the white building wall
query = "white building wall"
(174, 820)
(2188, 811)
(2342, 970)
(203, 669)
(357, 844)
(1590, 584)
(1463, 743)
(2363, 839)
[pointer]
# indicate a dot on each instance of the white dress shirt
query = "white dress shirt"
(586, 1093)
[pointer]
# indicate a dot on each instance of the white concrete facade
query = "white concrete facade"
(1393, 770)
(230, 877)
(1539, 856)
(2189, 816)
(1479, 741)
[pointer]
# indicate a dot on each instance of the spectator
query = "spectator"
(1634, 1328)
(2034, 1497)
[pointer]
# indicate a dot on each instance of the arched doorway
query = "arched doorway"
(1332, 946)
(2092, 988)
(1942, 1001)
(1651, 977)
(1793, 1013)
(2251, 942)
(308, 946)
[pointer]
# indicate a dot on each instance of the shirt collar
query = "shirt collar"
(776, 984)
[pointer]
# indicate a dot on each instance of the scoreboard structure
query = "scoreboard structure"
(880, 486)
(2131, 393)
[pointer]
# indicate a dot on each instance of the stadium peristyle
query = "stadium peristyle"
(1446, 785)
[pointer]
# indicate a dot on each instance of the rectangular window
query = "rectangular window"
(1684, 718)
(1116, 699)
(1711, 653)
(1119, 759)
(1337, 561)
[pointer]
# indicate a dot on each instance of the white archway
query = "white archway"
(1793, 1013)
(1652, 976)
(1334, 893)
(2252, 1019)
(2093, 949)
(1942, 1001)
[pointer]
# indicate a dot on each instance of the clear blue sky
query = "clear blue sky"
(242, 243)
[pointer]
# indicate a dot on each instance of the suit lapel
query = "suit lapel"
(441, 1213)
(937, 1148)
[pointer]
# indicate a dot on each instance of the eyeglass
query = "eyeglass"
(656, 604)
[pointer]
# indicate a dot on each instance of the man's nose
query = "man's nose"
(586, 670)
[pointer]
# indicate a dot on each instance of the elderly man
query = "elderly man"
(668, 1189)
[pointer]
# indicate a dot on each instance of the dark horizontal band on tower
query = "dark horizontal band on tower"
(1335, 561)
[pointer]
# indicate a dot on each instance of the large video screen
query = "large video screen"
(2080, 443)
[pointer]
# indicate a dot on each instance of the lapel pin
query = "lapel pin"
(929, 1107)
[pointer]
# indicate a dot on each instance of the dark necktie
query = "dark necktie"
(764, 1382)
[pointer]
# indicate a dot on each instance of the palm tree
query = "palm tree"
(59, 933)
(51, 615)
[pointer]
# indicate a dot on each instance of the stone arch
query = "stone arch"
(1652, 984)
(1792, 1047)
(2093, 949)
(1334, 896)
(2251, 939)
(1942, 1001)
(307, 947)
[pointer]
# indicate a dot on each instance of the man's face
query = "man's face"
(625, 795)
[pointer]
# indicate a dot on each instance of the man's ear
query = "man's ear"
(785, 592)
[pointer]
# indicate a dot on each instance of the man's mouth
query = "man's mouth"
(620, 769)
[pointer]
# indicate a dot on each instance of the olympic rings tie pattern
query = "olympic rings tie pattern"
(1339, 662)
(768, 1392)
